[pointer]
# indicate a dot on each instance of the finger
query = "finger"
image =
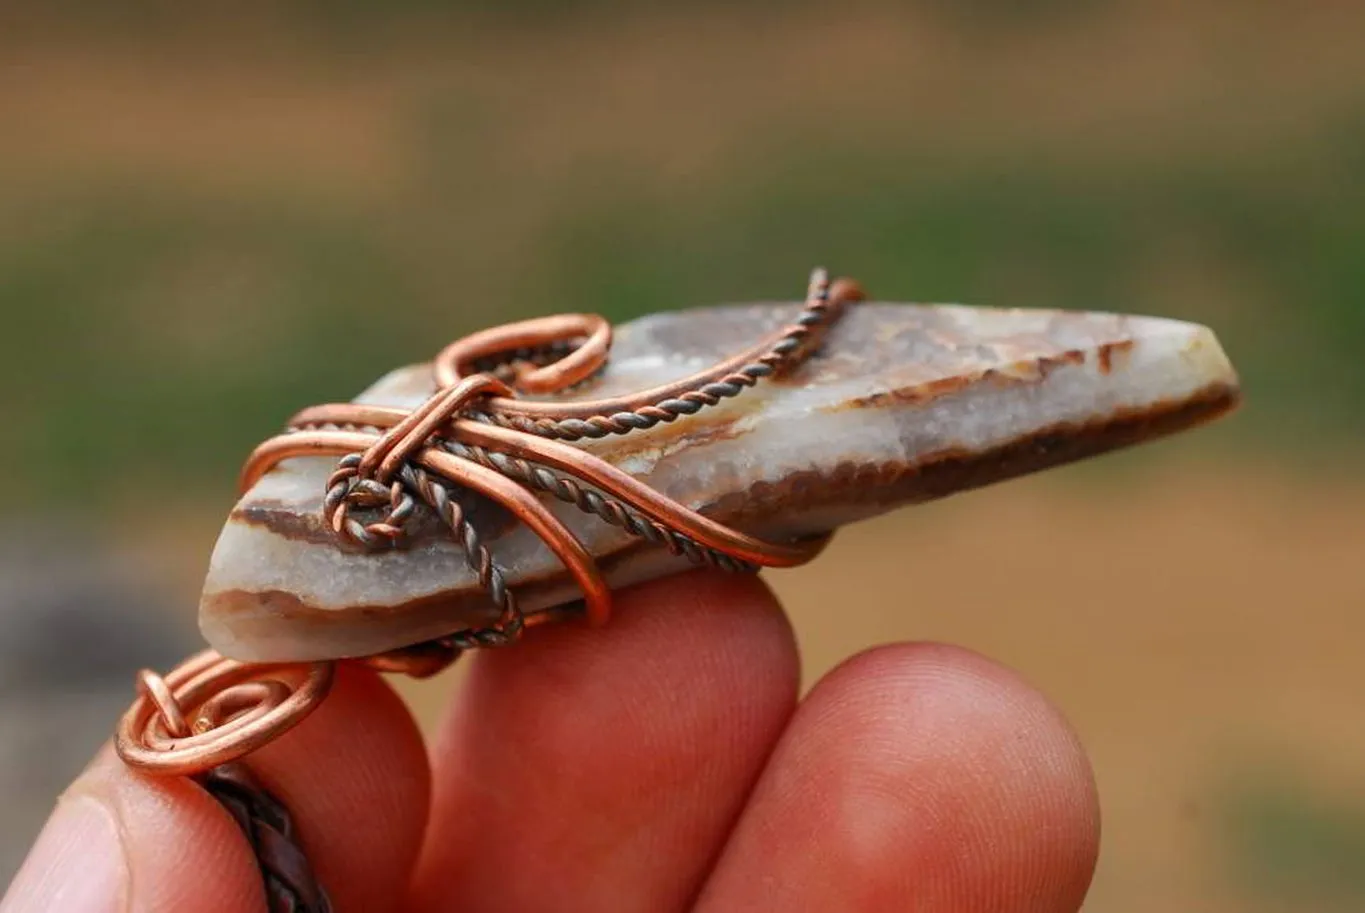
(353, 775)
(599, 769)
(916, 777)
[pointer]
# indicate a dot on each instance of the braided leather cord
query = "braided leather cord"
(290, 884)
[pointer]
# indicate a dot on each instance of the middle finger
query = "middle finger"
(601, 769)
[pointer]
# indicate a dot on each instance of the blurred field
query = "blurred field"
(206, 222)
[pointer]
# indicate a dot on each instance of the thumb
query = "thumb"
(78, 863)
(354, 775)
(118, 841)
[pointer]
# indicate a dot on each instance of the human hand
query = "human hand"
(660, 763)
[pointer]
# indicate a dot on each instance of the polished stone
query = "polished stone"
(902, 404)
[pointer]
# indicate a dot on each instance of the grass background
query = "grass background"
(208, 220)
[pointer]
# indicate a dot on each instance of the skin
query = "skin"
(661, 763)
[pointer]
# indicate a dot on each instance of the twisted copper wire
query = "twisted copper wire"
(472, 434)
(474, 423)
(665, 403)
(234, 708)
(212, 710)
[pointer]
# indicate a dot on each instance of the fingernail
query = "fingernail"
(76, 866)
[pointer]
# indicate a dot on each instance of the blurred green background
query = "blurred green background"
(210, 217)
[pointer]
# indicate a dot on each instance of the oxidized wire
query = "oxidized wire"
(473, 434)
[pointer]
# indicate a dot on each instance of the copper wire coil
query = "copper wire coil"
(211, 710)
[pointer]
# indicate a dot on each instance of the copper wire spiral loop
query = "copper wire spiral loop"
(474, 435)
(212, 710)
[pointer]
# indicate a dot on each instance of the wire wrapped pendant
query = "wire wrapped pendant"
(508, 435)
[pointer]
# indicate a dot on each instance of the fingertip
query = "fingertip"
(990, 764)
(972, 736)
(930, 777)
(356, 780)
(630, 748)
(630, 674)
(120, 840)
(679, 606)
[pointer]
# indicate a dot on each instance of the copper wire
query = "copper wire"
(238, 717)
(463, 355)
(474, 434)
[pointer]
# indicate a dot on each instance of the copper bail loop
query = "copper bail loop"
(211, 711)
(592, 332)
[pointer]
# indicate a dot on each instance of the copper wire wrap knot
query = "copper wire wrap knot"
(474, 436)
(381, 475)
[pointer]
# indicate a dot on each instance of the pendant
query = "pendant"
(529, 470)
